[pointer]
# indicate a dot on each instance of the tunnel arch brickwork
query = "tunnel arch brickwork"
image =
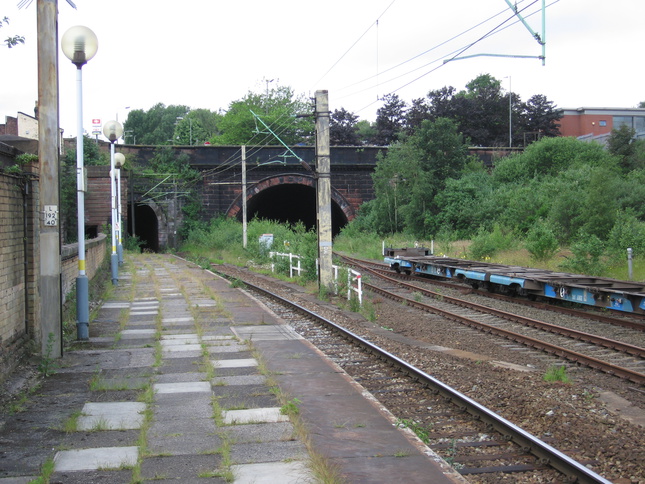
(235, 208)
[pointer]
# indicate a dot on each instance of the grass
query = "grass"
(557, 374)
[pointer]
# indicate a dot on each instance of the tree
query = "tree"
(540, 116)
(196, 127)
(415, 115)
(366, 132)
(343, 129)
(389, 120)
(287, 115)
(155, 126)
(14, 40)
(92, 156)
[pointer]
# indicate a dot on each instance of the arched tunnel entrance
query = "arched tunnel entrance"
(146, 226)
(290, 203)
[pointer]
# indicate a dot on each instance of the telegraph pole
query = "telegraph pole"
(49, 207)
(323, 191)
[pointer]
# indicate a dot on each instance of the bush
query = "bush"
(487, 244)
(541, 242)
(587, 256)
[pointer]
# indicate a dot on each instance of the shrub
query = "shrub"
(487, 244)
(541, 242)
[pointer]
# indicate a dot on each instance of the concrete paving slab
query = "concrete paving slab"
(183, 436)
(146, 332)
(194, 355)
(222, 338)
(183, 468)
(239, 380)
(273, 473)
(94, 459)
(213, 350)
(177, 320)
(179, 337)
(115, 305)
(264, 432)
(183, 387)
(143, 313)
(111, 416)
(253, 415)
(169, 347)
(92, 477)
(180, 377)
(281, 451)
(265, 332)
(17, 480)
(235, 363)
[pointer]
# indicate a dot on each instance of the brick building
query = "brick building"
(597, 123)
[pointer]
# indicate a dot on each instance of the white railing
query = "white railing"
(291, 256)
(353, 276)
(354, 279)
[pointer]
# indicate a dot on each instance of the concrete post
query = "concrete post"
(323, 165)
(48, 153)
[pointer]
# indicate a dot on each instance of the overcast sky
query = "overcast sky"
(208, 53)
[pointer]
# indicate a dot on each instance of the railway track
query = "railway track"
(632, 321)
(479, 443)
(608, 355)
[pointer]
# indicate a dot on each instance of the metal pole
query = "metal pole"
(119, 248)
(325, 275)
(82, 282)
(510, 112)
(49, 287)
(114, 258)
(630, 269)
(244, 214)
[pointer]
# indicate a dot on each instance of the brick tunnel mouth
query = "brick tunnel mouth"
(291, 204)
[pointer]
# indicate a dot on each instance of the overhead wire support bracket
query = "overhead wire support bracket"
(302, 162)
(541, 39)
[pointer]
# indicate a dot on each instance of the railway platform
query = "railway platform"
(188, 379)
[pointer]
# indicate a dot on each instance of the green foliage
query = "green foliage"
(47, 365)
(278, 109)
(12, 40)
(92, 156)
(627, 232)
(486, 244)
(587, 255)
(541, 242)
(557, 373)
(155, 126)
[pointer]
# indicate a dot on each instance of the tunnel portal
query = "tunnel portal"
(290, 203)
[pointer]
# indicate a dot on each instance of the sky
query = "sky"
(209, 53)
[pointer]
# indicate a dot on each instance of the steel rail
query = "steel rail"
(545, 453)
(574, 356)
(551, 328)
(596, 316)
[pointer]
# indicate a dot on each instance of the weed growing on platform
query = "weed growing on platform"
(46, 471)
(557, 373)
(419, 430)
(71, 424)
(290, 408)
(47, 365)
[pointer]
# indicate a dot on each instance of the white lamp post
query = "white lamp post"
(113, 131)
(119, 160)
(79, 45)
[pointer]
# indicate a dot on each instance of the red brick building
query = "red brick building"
(594, 122)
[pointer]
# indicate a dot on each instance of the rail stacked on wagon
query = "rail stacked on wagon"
(602, 292)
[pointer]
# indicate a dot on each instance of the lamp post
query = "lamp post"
(190, 125)
(113, 131)
(510, 112)
(79, 45)
(119, 160)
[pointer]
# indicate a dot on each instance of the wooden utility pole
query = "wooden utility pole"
(48, 156)
(323, 191)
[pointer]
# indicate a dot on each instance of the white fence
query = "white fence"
(354, 279)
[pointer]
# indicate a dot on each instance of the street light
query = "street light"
(190, 123)
(113, 131)
(119, 160)
(79, 45)
(510, 112)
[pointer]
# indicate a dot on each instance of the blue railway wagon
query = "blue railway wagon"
(515, 280)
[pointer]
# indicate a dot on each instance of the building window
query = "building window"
(623, 121)
(602, 122)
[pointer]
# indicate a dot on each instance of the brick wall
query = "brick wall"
(20, 266)
(17, 283)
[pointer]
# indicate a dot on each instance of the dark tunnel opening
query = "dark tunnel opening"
(290, 204)
(146, 226)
